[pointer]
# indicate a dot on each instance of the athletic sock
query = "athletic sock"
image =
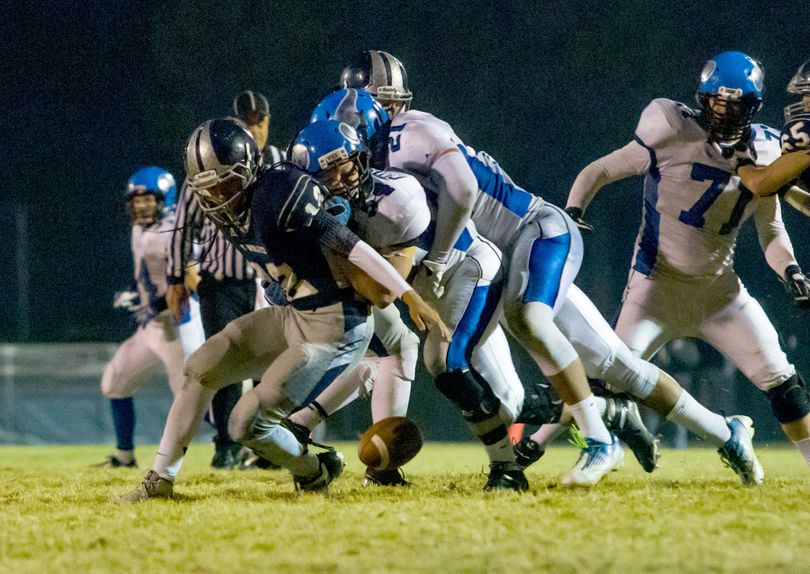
(601, 405)
(123, 415)
(547, 433)
(702, 422)
(589, 421)
(309, 416)
(804, 448)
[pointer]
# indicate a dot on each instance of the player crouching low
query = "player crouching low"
(277, 219)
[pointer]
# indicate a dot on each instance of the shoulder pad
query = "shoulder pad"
(286, 198)
(765, 141)
(396, 211)
(795, 135)
(661, 120)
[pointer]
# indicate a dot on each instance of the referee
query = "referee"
(227, 288)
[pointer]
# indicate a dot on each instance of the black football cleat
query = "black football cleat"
(527, 452)
(506, 476)
(622, 417)
(393, 477)
(331, 465)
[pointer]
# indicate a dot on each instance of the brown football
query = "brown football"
(389, 443)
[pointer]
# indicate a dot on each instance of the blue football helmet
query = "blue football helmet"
(729, 94)
(800, 85)
(222, 161)
(154, 181)
(324, 147)
(360, 110)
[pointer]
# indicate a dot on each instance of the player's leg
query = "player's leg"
(321, 344)
(222, 301)
(468, 308)
(743, 333)
(543, 264)
(244, 349)
(132, 362)
(654, 312)
(170, 349)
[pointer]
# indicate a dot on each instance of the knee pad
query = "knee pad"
(789, 401)
(632, 375)
(469, 393)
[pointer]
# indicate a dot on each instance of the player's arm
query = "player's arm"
(457, 189)
(778, 249)
(632, 159)
(770, 179)
(401, 260)
(334, 235)
(188, 222)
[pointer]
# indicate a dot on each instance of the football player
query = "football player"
(151, 194)
(390, 211)
(682, 282)
(542, 246)
(497, 201)
(276, 218)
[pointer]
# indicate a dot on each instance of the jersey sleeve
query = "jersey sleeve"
(660, 122)
(417, 141)
(795, 135)
(397, 212)
(766, 144)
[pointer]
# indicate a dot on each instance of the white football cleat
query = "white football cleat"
(738, 452)
(595, 460)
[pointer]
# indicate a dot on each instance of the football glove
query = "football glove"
(127, 300)
(428, 280)
(575, 213)
(797, 285)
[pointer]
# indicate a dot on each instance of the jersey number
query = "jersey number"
(719, 179)
(795, 138)
(393, 140)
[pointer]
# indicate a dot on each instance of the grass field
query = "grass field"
(691, 515)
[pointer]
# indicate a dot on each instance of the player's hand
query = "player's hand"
(576, 213)
(127, 300)
(797, 285)
(428, 279)
(423, 315)
(177, 299)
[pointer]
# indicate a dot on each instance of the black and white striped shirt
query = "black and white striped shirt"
(217, 255)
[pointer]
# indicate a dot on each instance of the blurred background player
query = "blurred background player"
(682, 282)
(227, 287)
(151, 195)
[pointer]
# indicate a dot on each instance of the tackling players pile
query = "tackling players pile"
(377, 201)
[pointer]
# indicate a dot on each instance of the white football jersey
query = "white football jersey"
(693, 203)
(396, 211)
(150, 252)
(417, 139)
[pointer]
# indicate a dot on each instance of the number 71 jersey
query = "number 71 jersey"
(693, 202)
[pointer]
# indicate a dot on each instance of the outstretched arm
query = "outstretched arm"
(632, 159)
(769, 179)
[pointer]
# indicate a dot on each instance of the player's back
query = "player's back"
(418, 139)
(280, 244)
(396, 212)
(693, 203)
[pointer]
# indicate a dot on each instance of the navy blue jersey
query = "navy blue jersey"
(293, 241)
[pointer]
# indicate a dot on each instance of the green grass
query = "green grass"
(691, 515)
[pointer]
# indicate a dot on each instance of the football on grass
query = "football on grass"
(389, 443)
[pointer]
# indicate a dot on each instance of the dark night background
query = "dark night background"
(93, 90)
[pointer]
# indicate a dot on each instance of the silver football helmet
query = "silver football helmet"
(800, 85)
(222, 161)
(383, 76)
